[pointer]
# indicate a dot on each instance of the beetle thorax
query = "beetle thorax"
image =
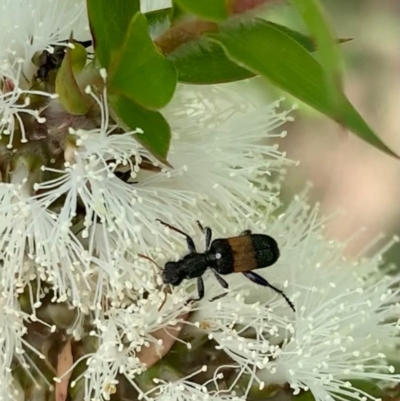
(194, 265)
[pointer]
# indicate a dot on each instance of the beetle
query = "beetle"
(240, 254)
(49, 62)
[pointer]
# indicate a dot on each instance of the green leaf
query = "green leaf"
(317, 23)
(71, 97)
(156, 135)
(177, 13)
(109, 21)
(207, 63)
(265, 50)
(350, 118)
(307, 42)
(367, 387)
(139, 71)
(304, 396)
(212, 10)
(78, 58)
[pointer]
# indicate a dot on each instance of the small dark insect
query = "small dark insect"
(145, 164)
(125, 176)
(240, 254)
(49, 62)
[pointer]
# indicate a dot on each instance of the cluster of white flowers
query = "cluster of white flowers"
(345, 317)
(78, 233)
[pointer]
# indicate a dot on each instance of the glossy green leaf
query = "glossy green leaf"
(70, 95)
(265, 50)
(212, 10)
(139, 71)
(351, 119)
(306, 41)
(327, 47)
(208, 64)
(156, 135)
(109, 21)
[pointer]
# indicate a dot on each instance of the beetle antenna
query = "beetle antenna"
(172, 227)
(207, 233)
(189, 241)
(200, 225)
(150, 259)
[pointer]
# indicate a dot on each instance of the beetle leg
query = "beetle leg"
(207, 232)
(223, 284)
(200, 290)
(245, 232)
(218, 296)
(261, 281)
(189, 241)
(221, 280)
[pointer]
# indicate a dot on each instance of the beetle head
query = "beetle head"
(172, 274)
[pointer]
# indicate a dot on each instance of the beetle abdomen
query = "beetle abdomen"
(244, 258)
(266, 250)
(244, 253)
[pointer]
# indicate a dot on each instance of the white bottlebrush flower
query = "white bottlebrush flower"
(15, 102)
(182, 389)
(152, 5)
(30, 28)
(345, 315)
(118, 271)
(118, 215)
(124, 334)
(13, 345)
(224, 151)
(35, 26)
(31, 246)
(113, 208)
(227, 173)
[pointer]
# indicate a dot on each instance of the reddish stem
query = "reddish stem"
(191, 29)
